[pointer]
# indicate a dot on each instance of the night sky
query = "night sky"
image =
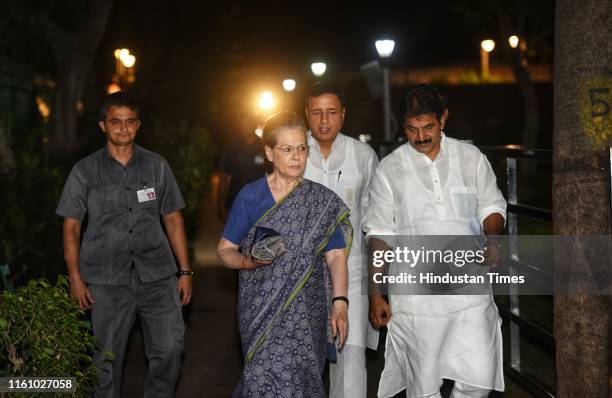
(205, 62)
(195, 57)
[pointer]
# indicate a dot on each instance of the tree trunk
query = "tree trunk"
(64, 140)
(581, 194)
(531, 111)
(74, 55)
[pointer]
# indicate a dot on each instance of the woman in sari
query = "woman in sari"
(288, 308)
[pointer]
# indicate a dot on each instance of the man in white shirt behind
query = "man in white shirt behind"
(344, 165)
(436, 185)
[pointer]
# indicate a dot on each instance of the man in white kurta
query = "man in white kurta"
(345, 166)
(435, 185)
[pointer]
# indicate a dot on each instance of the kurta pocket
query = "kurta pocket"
(465, 202)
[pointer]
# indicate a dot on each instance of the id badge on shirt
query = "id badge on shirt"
(145, 195)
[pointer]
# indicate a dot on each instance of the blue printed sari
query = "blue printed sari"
(283, 308)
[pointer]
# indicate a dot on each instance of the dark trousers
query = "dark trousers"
(113, 315)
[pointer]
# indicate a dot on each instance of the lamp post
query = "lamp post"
(385, 49)
(266, 102)
(519, 44)
(288, 98)
(486, 46)
(124, 69)
(289, 85)
(513, 41)
(318, 68)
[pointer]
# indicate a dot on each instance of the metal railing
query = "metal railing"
(511, 312)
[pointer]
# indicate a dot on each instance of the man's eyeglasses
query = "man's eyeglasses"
(288, 149)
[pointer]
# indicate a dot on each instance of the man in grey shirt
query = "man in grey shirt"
(125, 264)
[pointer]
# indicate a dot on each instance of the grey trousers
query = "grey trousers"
(113, 315)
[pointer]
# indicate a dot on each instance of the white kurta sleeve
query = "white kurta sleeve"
(490, 198)
(371, 164)
(380, 214)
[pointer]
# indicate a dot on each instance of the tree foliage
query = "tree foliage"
(60, 38)
(189, 152)
(30, 232)
(43, 334)
(532, 22)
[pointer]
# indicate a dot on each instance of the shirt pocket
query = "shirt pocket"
(348, 190)
(105, 199)
(465, 202)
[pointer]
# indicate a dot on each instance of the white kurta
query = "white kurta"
(434, 337)
(348, 171)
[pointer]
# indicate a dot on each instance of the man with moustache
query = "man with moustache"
(436, 185)
(345, 166)
(125, 264)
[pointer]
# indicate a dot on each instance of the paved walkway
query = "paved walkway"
(212, 359)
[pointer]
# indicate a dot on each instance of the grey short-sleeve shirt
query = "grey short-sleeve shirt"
(124, 205)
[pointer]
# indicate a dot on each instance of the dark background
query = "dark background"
(205, 62)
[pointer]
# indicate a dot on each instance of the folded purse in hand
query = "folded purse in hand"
(267, 244)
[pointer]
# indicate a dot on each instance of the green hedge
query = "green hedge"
(43, 334)
(30, 232)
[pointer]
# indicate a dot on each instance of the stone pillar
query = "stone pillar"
(581, 191)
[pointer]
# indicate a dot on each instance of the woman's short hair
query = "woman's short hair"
(281, 120)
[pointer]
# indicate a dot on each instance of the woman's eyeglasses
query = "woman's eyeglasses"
(288, 149)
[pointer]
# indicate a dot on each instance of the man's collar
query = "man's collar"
(443, 144)
(136, 151)
(313, 143)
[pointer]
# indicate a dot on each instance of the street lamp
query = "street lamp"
(289, 85)
(318, 68)
(513, 41)
(266, 101)
(385, 49)
(520, 44)
(129, 60)
(124, 66)
(486, 46)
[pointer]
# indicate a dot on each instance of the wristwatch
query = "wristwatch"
(185, 273)
(341, 298)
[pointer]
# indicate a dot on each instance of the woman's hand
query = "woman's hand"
(230, 256)
(336, 261)
(250, 262)
(339, 322)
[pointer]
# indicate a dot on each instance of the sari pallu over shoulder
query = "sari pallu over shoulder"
(283, 308)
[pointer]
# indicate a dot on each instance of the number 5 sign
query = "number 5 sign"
(595, 110)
